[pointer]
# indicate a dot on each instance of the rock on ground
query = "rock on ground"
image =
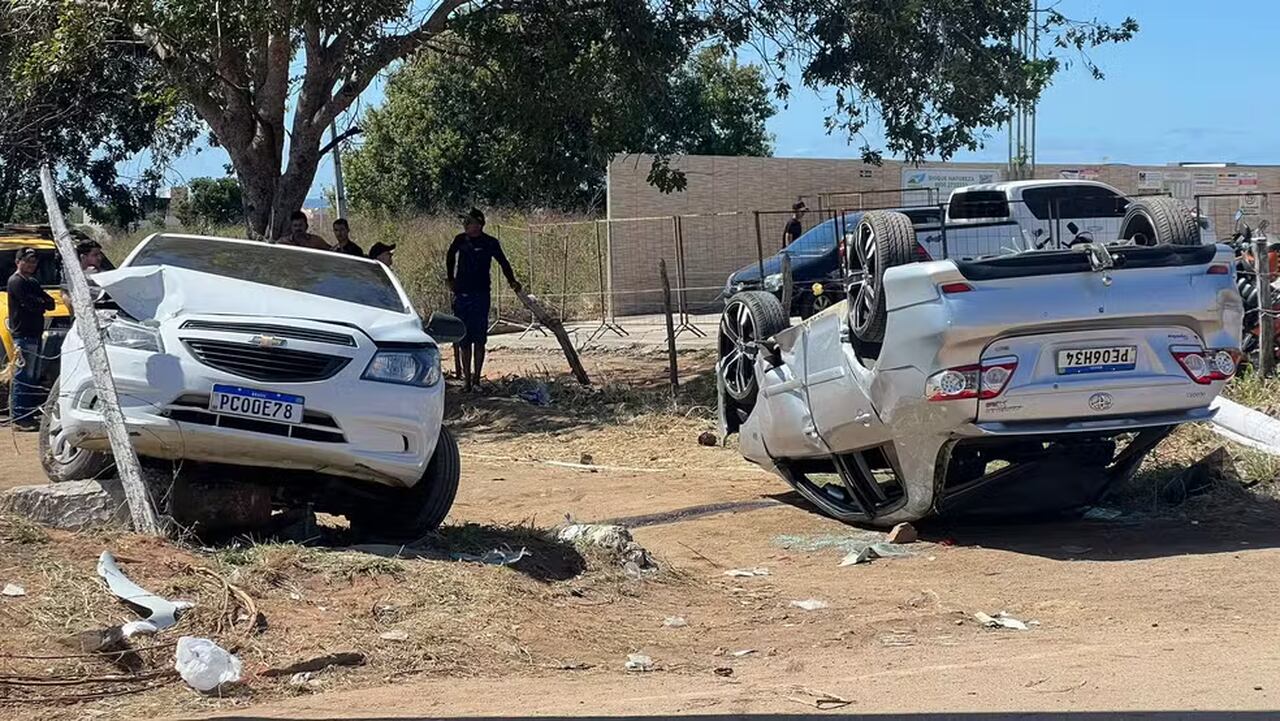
(616, 540)
(71, 506)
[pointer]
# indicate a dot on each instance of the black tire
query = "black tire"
(882, 240)
(63, 462)
(411, 513)
(1159, 221)
(748, 317)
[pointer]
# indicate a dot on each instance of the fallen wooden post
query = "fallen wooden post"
(141, 511)
(550, 322)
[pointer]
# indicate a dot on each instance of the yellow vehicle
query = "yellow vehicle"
(56, 322)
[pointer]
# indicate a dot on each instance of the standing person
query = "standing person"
(468, 263)
(27, 305)
(382, 252)
(300, 236)
(342, 232)
(794, 226)
(89, 252)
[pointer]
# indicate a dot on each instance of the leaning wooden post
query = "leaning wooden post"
(548, 321)
(671, 326)
(1266, 323)
(135, 492)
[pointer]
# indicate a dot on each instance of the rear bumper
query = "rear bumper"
(1101, 425)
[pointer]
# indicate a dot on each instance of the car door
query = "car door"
(839, 405)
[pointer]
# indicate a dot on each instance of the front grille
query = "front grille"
(317, 336)
(316, 426)
(280, 365)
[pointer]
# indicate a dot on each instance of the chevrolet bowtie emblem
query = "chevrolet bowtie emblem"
(267, 341)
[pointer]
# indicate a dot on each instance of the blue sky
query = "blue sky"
(1196, 84)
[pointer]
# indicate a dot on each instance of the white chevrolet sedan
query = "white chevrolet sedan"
(270, 357)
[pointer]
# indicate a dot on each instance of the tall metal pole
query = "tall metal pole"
(135, 491)
(1266, 323)
(339, 188)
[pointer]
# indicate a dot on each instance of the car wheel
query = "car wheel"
(62, 461)
(882, 240)
(411, 513)
(748, 317)
(809, 305)
(1159, 221)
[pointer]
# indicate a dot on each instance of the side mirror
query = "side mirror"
(1073, 228)
(445, 328)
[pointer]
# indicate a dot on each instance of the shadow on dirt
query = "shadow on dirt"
(1195, 528)
(534, 552)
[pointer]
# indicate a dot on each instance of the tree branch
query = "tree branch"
(350, 132)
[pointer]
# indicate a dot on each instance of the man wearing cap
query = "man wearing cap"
(794, 226)
(27, 305)
(382, 252)
(468, 262)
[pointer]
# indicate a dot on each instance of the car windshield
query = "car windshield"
(330, 275)
(49, 273)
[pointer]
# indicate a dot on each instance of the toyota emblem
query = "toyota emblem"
(1100, 401)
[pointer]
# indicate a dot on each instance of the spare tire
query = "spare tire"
(748, 318)
(1159, 221)
(882, 240)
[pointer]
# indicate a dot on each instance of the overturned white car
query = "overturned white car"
(310, 363)
(1027, 382)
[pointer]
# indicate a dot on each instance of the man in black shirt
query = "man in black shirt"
(342, 231)
(794, 226)
(468, 262)
(27, 305)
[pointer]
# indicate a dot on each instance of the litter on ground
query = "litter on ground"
(810, 604)
(1002, 620)
(873, 551)
(162, 612)
(638, 662)
(495, 556)
(205, 665)
(13, 590)
(747, 572)
(674, 622)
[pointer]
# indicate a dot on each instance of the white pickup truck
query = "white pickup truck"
(999, 218)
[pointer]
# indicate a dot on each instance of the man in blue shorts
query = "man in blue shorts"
(468, 262)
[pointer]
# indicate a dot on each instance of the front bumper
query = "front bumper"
(378, 432)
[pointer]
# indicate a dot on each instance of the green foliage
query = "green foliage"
(75, 92)
(449, 137)
(211, 202)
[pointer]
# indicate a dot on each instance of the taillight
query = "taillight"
(984, 381)
(1219, 269)
(950, 288)
(1206, 366)
(922, 253)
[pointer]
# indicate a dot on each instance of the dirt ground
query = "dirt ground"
(1161, 608)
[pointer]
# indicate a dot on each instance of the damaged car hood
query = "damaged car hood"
(161, 293)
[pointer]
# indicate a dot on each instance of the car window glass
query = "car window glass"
(1067, 202)
(331, 275)
(814, 242)
(929, 216)
(979, 204)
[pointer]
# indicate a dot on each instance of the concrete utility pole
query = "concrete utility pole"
(340, 190)
(1266, 323)
(135, 491)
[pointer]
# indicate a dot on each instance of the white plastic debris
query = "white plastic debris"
(743, 652)
(747, 572)
(163, 613)
(639, 662)
(1001, 620)
(874, 551)
(394, 635)
(13, 590)
(674, 622)
(205, 665)
(810, 604)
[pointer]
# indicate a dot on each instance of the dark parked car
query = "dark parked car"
(816, 276)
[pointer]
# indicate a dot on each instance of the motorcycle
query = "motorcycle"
(1243, 242)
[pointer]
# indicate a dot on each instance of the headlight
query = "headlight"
(412, 367)
(773, 282)
(127, 333)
